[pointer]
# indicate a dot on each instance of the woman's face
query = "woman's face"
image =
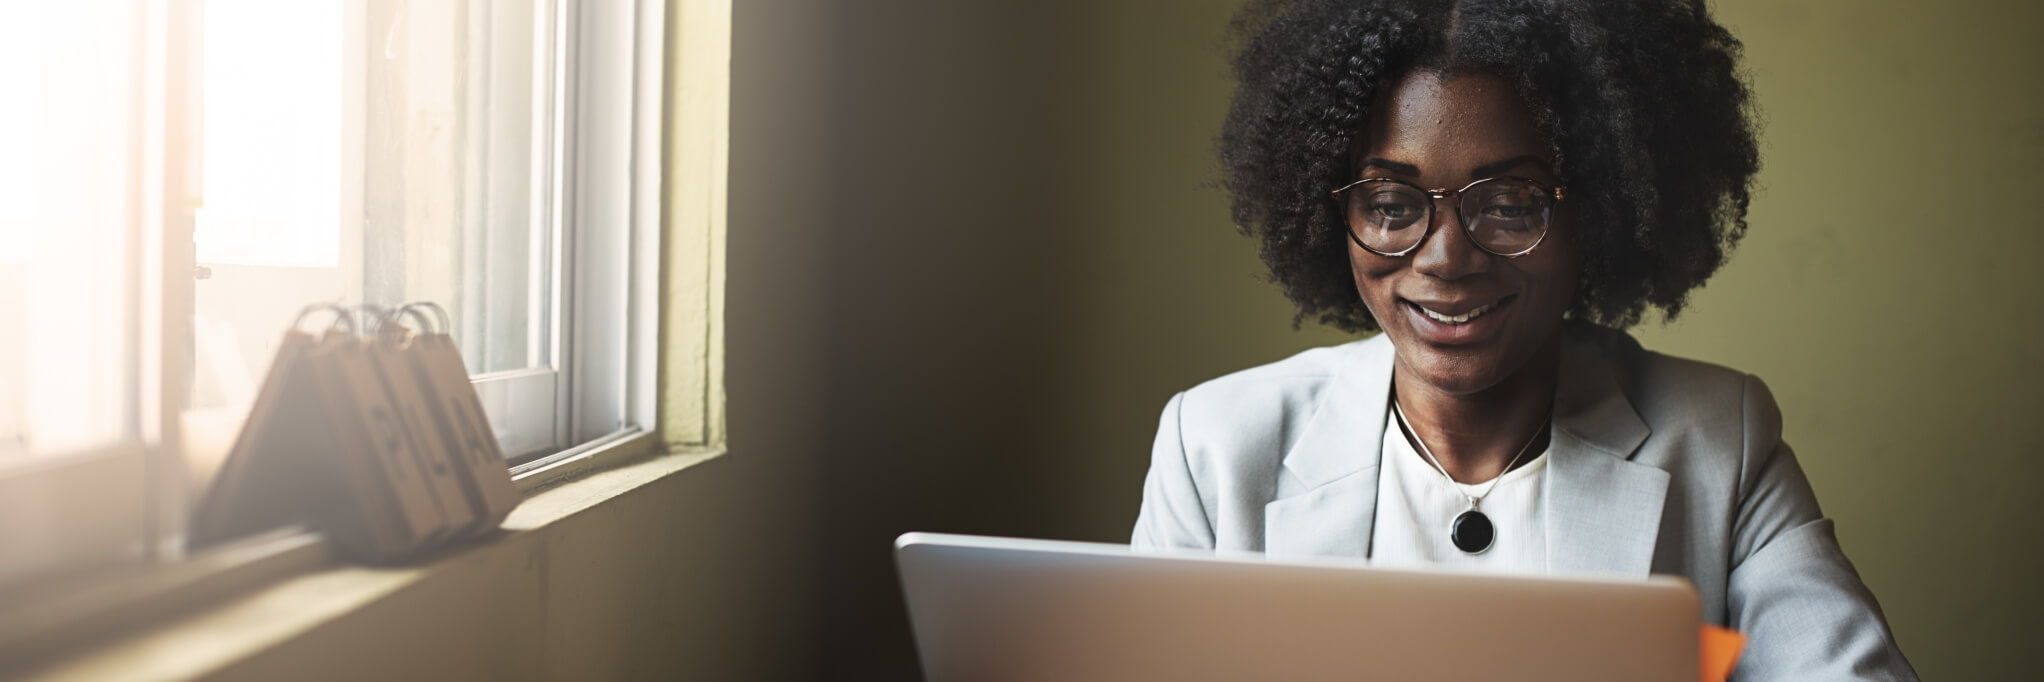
(1444, 132)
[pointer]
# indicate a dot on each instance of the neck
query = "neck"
(1476, 435)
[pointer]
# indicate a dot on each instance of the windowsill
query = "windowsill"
(227, 606)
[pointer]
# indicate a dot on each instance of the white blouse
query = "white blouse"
(1416, 505)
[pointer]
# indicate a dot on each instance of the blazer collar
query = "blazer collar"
(1331, 471)
(1603, 510)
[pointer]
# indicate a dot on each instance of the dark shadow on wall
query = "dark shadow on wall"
(895, 309)
(947, 307)
(955, 300)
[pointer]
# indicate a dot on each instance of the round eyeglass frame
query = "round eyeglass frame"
(1559, 192)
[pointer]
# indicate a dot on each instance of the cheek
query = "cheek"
(1371, 273)
(1559, 273)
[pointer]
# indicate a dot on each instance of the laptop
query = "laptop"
(1002, 609)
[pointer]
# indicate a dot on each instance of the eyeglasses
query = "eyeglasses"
(1506, 216)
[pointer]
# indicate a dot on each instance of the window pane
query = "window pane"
(269, 231)
(369, 151)
(449, 194)
(272, 128)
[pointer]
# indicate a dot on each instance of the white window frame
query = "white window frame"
(524, 404)
(605, 184)
(609, 182)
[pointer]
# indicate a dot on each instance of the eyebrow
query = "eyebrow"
(1481, 172)
(1393, 166)
(1490, 169)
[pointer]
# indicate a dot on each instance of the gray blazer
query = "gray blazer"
(1656, 465)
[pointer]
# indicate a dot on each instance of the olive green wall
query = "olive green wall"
(1889, 294)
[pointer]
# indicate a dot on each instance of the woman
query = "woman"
(1500, 188)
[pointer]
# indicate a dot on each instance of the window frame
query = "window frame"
(610, 190)
(525, 405)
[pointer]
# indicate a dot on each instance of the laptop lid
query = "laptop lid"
(999, 609)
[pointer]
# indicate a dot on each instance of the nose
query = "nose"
(1448, 252)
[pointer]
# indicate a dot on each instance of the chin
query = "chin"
(1450, 373)
(1471, 369)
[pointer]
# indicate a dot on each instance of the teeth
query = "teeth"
(1457, 319)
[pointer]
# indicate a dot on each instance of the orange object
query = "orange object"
(1720, 651)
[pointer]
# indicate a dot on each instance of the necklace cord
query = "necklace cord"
(1475, 501)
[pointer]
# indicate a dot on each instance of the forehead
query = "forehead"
(1447, 125)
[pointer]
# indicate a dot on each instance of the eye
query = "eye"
(1390, 208)
(1510, 212)
(1509, 205)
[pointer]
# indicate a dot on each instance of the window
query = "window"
(180, 177)
(382, 151)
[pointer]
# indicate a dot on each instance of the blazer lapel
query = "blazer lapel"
(1327, 484)
(1603, 510)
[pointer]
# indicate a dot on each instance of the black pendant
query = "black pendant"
(1472, 532)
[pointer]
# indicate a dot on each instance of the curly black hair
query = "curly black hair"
(1642, 100)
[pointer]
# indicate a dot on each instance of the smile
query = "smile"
(1456, 319)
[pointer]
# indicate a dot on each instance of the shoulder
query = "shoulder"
(1713, 427)
(1277, 389)
(1304, 372)
(1677, 393)
(1257, 413)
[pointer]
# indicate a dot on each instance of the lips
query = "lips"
(1455, 313)
(1457, 322)
(1456, 319)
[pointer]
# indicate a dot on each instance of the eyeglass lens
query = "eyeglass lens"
(1504, 216)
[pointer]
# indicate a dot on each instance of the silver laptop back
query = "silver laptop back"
(1001, 609)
